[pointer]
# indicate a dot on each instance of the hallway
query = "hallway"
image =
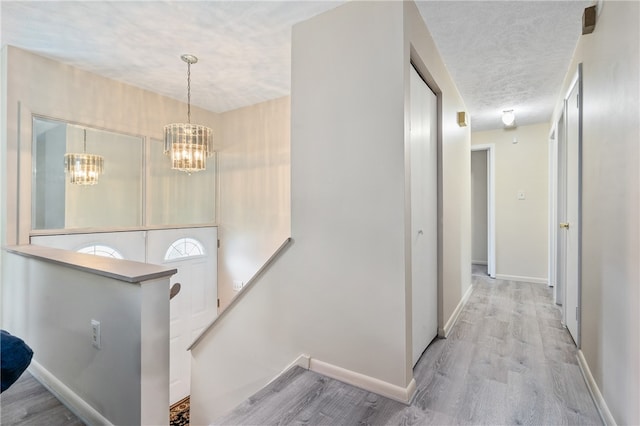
(508, 360)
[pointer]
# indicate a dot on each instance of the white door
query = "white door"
(561, 215)
(193, 251)
(424, 203)
(571, 226)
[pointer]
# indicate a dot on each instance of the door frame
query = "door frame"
(491, 206)
(553, 210)
(557, 206)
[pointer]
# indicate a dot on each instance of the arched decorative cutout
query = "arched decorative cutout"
(101, 250)
(184, 247)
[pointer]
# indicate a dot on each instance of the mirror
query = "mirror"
(114, 202)
(175, 197)
(172, 197)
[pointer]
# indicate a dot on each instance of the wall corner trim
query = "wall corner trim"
(444, 331)
(598, 399)
(362, 381)
(69, 398)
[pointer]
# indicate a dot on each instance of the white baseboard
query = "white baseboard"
(522, 278)
(362, 381)
(598, 399)
(301, 361)
(67, 397)
(444, 331)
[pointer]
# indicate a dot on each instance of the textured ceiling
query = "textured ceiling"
(506, 54)
(502, 55)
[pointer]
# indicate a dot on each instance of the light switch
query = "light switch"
(521, 195)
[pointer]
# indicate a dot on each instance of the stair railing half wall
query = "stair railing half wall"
(243, 291)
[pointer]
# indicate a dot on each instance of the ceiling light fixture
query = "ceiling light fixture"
(188, 144)
(508, 118)
(83, 169)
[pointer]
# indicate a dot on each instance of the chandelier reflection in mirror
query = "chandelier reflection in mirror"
(83, 169)
(188, 144)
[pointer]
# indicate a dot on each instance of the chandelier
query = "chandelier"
(188, 144)
(83, 169)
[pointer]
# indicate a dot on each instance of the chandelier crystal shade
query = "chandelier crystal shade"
(188, 144)
(83, 168)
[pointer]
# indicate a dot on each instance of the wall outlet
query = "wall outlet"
(237, 285)
(95, 334)
(521, 195)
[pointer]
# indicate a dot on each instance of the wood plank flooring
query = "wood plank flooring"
(508, 360)
(477, 269)
(27, 402)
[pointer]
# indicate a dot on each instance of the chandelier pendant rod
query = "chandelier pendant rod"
(188, 92)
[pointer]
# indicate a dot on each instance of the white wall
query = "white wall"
(127, 380)
(479, 207)
(340, 293)
(254, 216)
(610, 328)
(521, 225)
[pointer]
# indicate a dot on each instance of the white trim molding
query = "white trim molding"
(444, 331)
(522, 278)
(67, 397)
(301, 361)
(368, 383)
(598, 399)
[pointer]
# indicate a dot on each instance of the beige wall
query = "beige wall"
(521, 225)
(610, 301)
(38, 85)
(479, 207)
(341, 293)
(254, 215)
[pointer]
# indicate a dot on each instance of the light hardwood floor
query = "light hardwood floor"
(477, 269)
(27, 402)
(508, 360)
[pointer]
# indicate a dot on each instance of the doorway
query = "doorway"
(483, 209)
(193, 252)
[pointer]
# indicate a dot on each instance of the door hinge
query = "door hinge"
(576, 313)
(218, 303)
(218, 243)
(578, 100)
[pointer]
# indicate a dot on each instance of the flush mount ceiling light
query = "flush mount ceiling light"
(508, 118)
(188, 144)
(83, 169)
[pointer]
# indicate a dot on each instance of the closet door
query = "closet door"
(424, 208)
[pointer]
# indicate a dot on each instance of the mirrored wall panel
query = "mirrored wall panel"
(114, 198)
(114, 201)
(175, 197)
